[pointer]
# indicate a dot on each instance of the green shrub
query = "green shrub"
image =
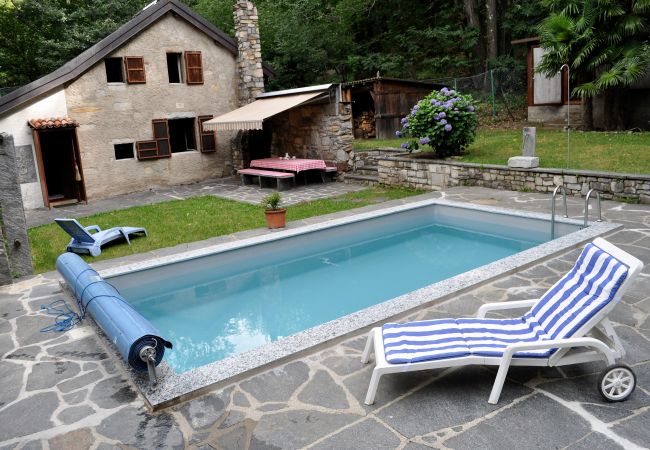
(444, 120)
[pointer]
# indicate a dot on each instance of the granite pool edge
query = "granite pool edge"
(179, 387)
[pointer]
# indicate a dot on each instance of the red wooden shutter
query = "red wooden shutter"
(134, 69)
(208, 138)
(193, 68)
(147, 149)
(161, 136)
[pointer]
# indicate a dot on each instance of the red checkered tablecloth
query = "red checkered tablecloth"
(292, 165)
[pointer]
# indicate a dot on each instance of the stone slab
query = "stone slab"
(368, 434)
(543, 420)
(523, 162)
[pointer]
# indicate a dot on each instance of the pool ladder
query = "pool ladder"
(566, 211)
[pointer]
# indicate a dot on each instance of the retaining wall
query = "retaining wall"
(437, 175)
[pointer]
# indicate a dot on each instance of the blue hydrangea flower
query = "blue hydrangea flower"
(444, 90)
(398, 133)
(416, 107)
(434, 101)
(406, 125)
(436, 116)
(405, 120)
(470, 108)
(442, 115)
(448, 127)
(425, 140)
(443, 121)
(404, 145)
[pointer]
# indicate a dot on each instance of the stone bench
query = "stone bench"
(247, 174)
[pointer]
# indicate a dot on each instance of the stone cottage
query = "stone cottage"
(127, 114)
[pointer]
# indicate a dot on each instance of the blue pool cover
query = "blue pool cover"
(124, 326)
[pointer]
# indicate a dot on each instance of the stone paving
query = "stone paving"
(229, 188)
(70, 391)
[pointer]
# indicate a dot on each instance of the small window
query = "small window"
(134, 69)
(181, 135)
(124, 151)
(114, 73)
(193, 68)
(174, 69)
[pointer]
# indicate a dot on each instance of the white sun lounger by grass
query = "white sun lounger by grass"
(83, 241)
(567, 325)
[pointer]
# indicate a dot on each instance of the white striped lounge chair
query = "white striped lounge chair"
(567, 325)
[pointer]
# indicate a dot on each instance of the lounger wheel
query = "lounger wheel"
(616, 383)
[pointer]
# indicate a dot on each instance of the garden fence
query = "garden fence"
(504, 90)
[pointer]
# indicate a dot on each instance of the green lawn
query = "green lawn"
(612, 152)
(181, 221)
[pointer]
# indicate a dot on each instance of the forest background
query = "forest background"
(305, 41)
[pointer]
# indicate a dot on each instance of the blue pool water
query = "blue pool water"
(227, 308)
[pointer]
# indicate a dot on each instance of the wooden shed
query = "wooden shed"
(379, 103)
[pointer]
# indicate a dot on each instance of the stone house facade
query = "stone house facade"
(126, 115)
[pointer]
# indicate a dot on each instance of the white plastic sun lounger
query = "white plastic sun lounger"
(567, 325)
(83, 241)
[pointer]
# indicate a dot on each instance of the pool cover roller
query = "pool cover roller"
(133, 335)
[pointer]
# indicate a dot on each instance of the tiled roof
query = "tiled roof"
(53, 122)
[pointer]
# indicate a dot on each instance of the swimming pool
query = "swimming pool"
(240, 305)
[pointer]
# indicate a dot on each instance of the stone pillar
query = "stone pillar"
(249, 58)
(249, 70)
(14, 225)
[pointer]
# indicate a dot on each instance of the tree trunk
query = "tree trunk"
(474, 21)
(613, 119)
(587, 114)
(491, 25)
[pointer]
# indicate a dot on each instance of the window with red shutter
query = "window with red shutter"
(147, 149)
(208, 137)
(161, 136)
(134, 66)
(159, 146)
(193, 68)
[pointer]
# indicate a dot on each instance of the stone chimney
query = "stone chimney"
(249, 59)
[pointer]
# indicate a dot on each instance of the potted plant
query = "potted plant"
(274, 214)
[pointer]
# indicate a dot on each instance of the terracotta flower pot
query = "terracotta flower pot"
(275, 218)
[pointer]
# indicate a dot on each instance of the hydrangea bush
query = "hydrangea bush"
(445, 120)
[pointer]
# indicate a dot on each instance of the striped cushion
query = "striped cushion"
(569, 304)
(580, 294)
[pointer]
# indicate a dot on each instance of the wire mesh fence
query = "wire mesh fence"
(500, 92)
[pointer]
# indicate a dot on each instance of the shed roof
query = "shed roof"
(88, 58)
(394, 80)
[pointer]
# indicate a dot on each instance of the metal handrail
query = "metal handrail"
(600, 217)
(566, 210)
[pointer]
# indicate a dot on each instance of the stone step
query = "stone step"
(365, 180)
(367, 170)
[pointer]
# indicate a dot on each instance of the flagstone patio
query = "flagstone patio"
(70, 390)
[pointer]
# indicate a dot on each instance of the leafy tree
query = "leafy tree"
(606, 43)
(38, 36)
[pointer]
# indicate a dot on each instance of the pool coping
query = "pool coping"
(173, 388)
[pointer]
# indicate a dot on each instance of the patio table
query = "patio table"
(291, 165)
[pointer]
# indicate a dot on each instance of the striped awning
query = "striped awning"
(251, 116)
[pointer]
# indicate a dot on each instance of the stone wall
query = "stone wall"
(15, 245)
(438, 175)
(315, 131)
(111, 113)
